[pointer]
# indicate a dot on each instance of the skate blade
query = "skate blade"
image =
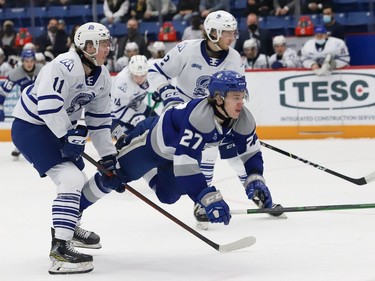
(203, 225)
(78, 244)
(59, 267)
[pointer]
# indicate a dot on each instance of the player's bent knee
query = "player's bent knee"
(167, 198)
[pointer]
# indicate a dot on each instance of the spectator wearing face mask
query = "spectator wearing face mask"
(263, 36)
(8, 37)
(323, 54)
(53, 40)
(334, 28)
(132, 36)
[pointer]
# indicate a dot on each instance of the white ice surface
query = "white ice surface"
(139, 243)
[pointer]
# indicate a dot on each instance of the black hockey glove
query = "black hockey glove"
(115, 180)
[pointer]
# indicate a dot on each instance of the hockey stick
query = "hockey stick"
(303, 209)
(359, 181)
(236, 245)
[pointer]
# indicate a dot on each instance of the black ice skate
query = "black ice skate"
(83, 238)
(66, 260)
(280, 215)
(86, 239)
(201, 217)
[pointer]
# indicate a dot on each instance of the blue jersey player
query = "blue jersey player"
(45, 131)
(167, 150)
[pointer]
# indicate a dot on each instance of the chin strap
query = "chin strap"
(85, 60)
(227, 120)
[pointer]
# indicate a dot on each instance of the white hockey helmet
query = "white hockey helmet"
(138, 65)
(91, 31)
(157, 46)
(250, 43)
(279, 40)
(219, 21)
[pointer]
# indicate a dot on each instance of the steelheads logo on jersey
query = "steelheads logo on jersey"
(339, 91)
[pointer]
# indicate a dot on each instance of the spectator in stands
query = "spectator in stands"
(283, 7)
(259, 7)
(5, 67)
(131, 49)
(194, 30)
(8, 38)
(334, 28)
(315, 6)
(115, 11)
(323, 54)
(208, 6)
(138, 9)
(283, 57)
(186, 9)
(253, 59)
(2, 3)
(263, 36)
(53, 40)
(132, 36)
(168, 10)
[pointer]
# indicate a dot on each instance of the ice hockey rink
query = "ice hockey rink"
(140, 243)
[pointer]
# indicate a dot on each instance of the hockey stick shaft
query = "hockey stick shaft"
(359, 181)
(303, 209)
(246, 242)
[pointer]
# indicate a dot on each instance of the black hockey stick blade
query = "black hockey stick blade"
(236, 245)
(304, 209)
(358, 181)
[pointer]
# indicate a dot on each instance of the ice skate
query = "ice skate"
(201, 217)
(83, 238)
(66, 260)
(280, 215)
(86, 239)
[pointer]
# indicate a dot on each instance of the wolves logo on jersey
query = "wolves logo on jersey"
(136, 101)
(78, 101)
(201, 86)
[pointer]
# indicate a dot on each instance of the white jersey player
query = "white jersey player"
(283, 57)
(128, 92)
(253, 59)
(323, 54)
(45, 132)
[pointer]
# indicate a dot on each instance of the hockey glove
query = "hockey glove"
(115, 180)
(2, 114)
(217, 209)
(277, 64)
(156, 97)
(73, 143)
(169, 96)
(256, 189)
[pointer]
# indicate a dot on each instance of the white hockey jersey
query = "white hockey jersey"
(334, 46)
(190, 64)
(290, 59)
(59, 95)
(260, 62)
(127, 98)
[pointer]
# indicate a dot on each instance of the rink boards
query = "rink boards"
(296, 104)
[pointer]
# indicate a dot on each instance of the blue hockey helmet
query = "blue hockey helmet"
(27, 54)
(226, 80)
